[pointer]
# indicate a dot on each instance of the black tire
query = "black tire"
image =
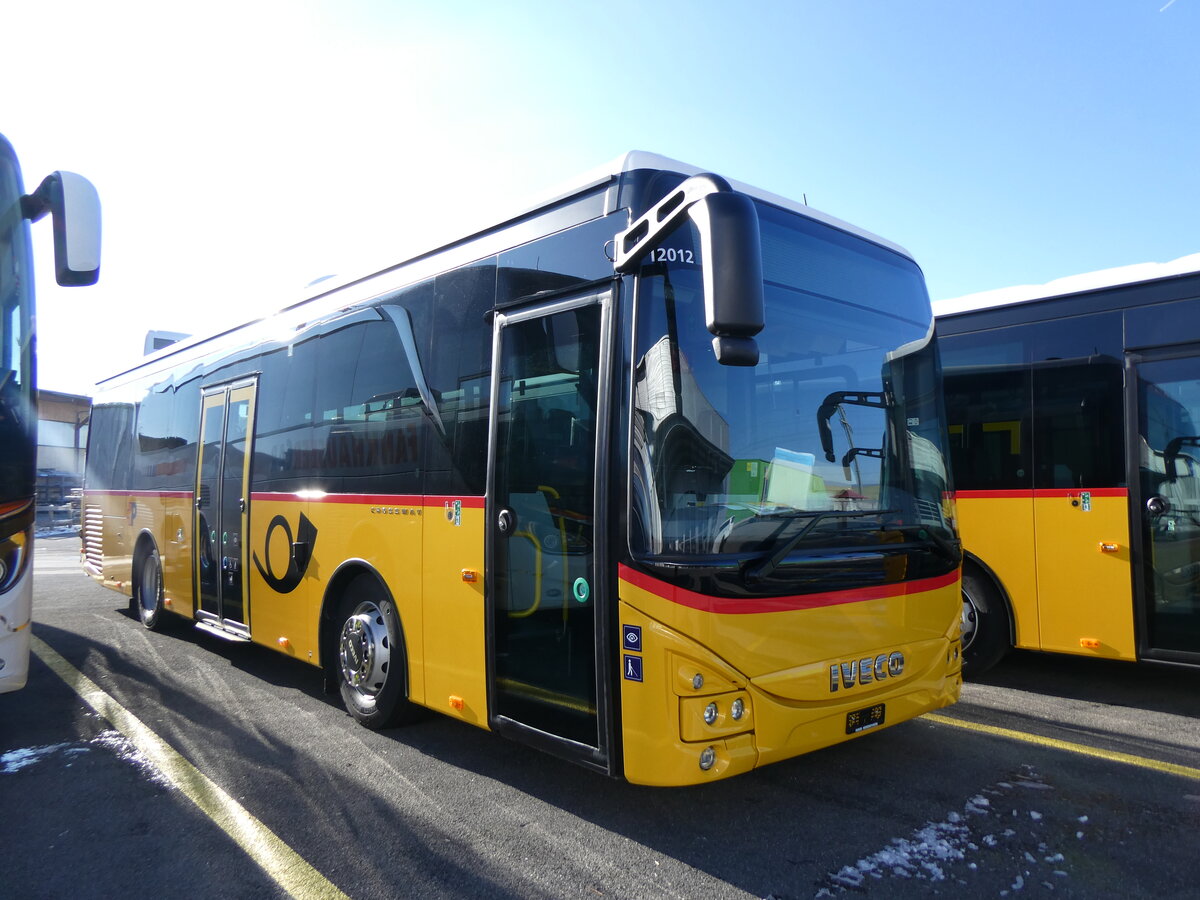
(372, 667)
(148, 591)
(985, 632)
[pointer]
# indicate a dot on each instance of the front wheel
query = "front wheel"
(985, 636)
(148, 591)
(371, 664)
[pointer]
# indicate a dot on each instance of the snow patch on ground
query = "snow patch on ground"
(930, 852)
(111, 741)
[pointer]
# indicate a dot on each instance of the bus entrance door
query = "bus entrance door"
(545, 629)
(1168, 460)
(222, 508)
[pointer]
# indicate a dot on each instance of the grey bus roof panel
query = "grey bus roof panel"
(328, 294)
(1071, 284)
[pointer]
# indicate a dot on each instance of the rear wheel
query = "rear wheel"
(371, 665)
(148, 591)
(985, 636)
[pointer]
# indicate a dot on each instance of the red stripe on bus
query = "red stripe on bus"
(367, 499)
(467, 502)
(743, 605)
(1041, 493)
(166, 495)
(317, 497)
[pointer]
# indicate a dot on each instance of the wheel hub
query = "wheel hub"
(364, 650)
(970, 620)
(148, 590)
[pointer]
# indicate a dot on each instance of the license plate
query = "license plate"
(862, 719)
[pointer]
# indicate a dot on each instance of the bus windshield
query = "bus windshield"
(829, 445)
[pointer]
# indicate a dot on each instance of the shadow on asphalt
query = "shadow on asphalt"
(1149, 686)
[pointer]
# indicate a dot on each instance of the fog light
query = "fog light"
(738, 709)
(710, 713)
(708, 756)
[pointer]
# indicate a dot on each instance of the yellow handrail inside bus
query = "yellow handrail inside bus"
(537, 575)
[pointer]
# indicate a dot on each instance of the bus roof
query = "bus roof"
(1071, 284)
(593, 179)
(639, 159)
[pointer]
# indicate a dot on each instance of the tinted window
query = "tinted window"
(285, 456)
(988, 398)
(459, 369)
(110, 447)
(1036, 406)
(1078, 424)
(373, 430)
(160, 463)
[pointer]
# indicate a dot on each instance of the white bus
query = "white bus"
(75, 210)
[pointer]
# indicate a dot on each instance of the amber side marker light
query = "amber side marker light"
(1089, 643)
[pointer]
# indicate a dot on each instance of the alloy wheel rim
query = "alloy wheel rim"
(364, 651)
(970, 620)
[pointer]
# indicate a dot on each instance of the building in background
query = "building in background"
(62, 442)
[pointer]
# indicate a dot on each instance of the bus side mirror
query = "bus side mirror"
(731, 254)
(74, 207)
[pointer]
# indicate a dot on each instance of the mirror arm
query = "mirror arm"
(648, 231)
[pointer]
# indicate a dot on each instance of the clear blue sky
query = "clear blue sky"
(244, 147)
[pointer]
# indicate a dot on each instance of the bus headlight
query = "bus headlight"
(705, 719)
(12, 560)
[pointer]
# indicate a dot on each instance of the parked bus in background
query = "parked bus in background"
(651, 477)
(75, 211)
(1074, 410)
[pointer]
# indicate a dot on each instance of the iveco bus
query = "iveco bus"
(652, 477)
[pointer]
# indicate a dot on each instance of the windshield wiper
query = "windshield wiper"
(950, 550)
(762, 568)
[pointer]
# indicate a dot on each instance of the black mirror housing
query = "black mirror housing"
(731, 254)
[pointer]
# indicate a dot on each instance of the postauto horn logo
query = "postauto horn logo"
(299, 554)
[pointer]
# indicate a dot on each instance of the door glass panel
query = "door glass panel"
(221, 502)
(232, 505)
(543, 571)
(208, 493)
(1169, 466)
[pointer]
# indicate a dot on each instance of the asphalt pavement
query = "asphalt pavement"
(1054, 777)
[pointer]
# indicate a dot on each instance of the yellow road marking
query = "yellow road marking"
(1128, 759)
(277, 859)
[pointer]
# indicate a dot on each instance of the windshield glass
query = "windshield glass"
(832, 444)
(17, 422)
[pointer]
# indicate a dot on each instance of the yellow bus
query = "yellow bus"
(1073, 411)
(74, 209)
(652, 477)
